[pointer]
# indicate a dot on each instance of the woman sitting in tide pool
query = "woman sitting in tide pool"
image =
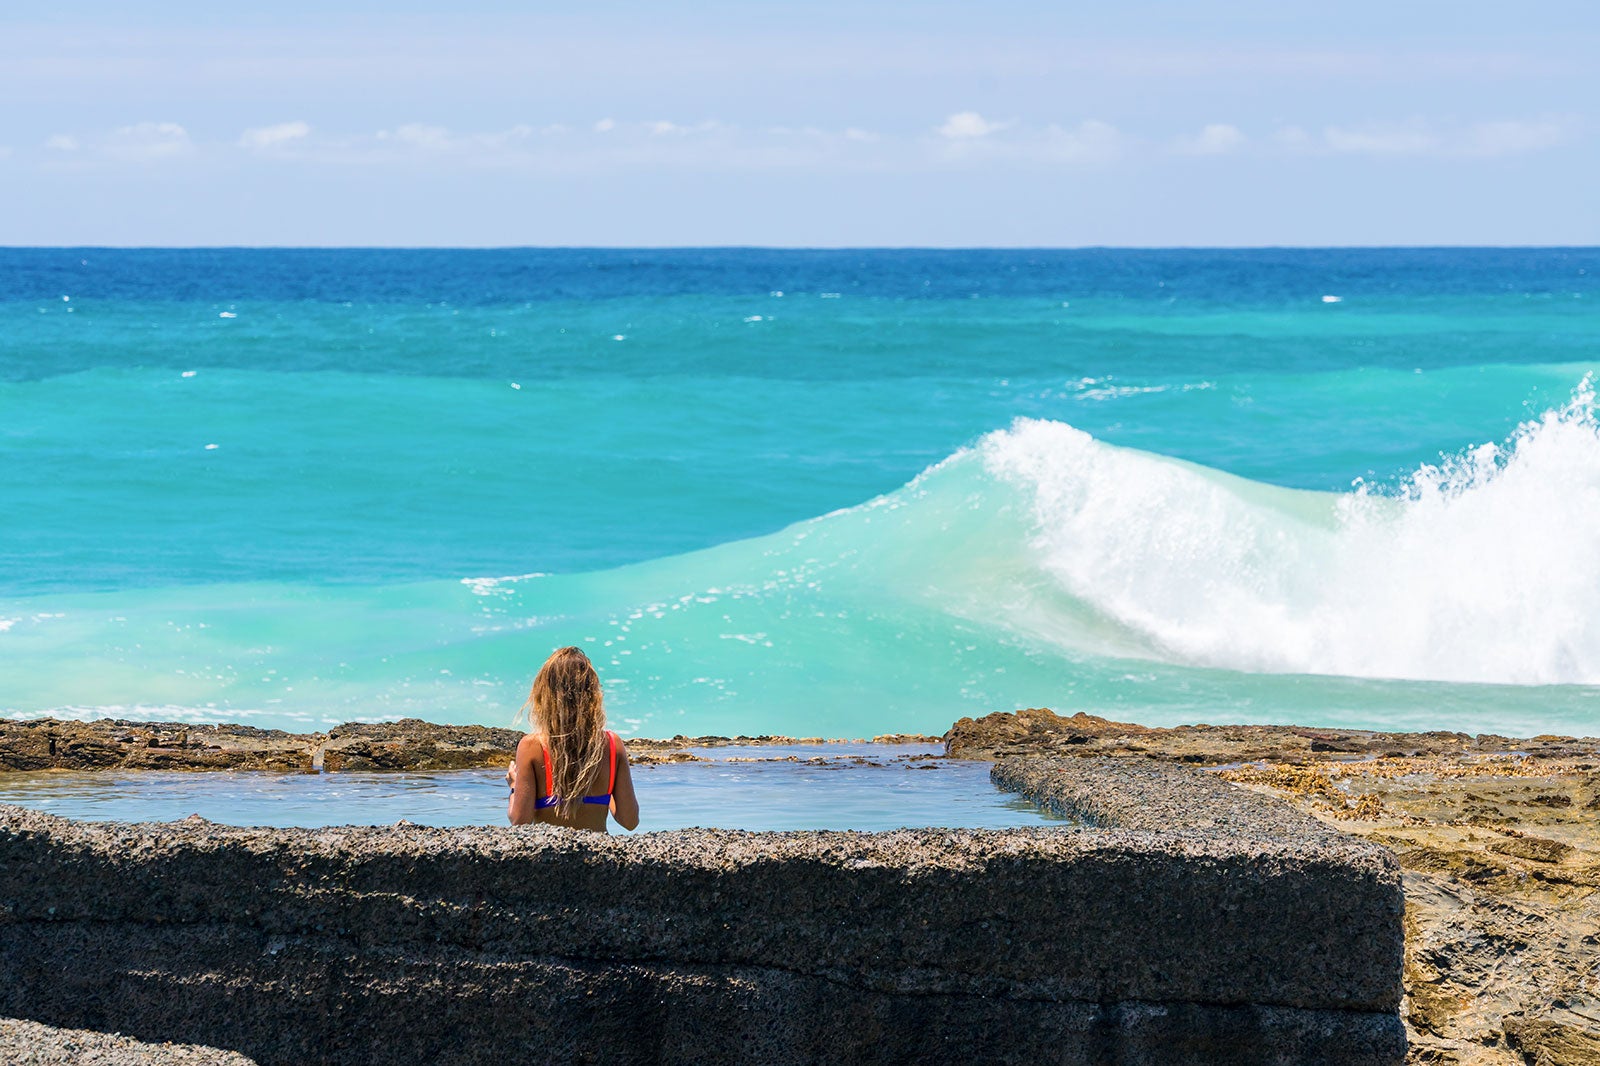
(570, 769)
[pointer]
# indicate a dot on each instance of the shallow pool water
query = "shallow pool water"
(854, 786)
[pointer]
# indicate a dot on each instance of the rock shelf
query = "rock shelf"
(1498, 839)
(409, 744)
(1188, 938)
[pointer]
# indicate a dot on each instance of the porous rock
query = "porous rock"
(1178, 943)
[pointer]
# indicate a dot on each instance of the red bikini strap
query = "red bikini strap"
(549, 774)
(611, 739)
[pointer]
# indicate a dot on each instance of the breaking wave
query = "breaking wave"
(1039, 566)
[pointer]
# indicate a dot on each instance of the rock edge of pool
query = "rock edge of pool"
(413, 744)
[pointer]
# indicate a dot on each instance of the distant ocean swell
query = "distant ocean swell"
(1038, 566)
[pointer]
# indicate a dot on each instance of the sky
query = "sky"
(826, 124)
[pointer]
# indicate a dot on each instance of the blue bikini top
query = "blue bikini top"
(549, 800)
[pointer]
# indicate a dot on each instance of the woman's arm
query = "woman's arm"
(524, 775)
(624, 803)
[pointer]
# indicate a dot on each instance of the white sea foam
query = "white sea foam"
(498, 586)
(142, 712)
(1483, 568)
(1107, 391)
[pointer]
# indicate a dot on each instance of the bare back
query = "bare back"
(531, 773)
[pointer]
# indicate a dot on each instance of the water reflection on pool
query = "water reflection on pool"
(839, 786)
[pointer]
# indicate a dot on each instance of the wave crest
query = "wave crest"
(1480, 568)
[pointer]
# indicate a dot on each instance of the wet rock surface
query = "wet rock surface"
(1040, 731)
(51, 744)
(1498, 839)
(409, 744)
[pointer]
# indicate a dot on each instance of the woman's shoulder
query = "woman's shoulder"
(531, 745)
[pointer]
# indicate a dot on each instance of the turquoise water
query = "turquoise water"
(863, 786)
(816, 493)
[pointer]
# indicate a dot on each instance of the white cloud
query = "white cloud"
(412, 138)
(1294, 139)
(965, 139)
(267, 137)
(1219, 138)
(418, 135)
(1090, 141)
(148, 141)
(1380, 140)
(1514, 138)
(673, 129)
(964, 125)
(520, 132)
(1422, 139)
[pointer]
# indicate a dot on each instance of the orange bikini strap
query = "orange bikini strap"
(611, 739)
(550, 777)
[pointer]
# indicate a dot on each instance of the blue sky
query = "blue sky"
(824, 124)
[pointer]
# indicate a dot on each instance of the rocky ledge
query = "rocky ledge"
(1201, 941)
(1040, 731)
(1498, 838)
(409, 744)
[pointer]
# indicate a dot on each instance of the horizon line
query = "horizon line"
(792, 247)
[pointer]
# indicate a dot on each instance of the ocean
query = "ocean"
(835, 493)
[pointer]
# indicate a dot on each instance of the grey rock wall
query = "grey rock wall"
(411, 945)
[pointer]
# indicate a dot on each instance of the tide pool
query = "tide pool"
(857, 786)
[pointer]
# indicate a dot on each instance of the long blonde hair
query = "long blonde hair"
(565, 703)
